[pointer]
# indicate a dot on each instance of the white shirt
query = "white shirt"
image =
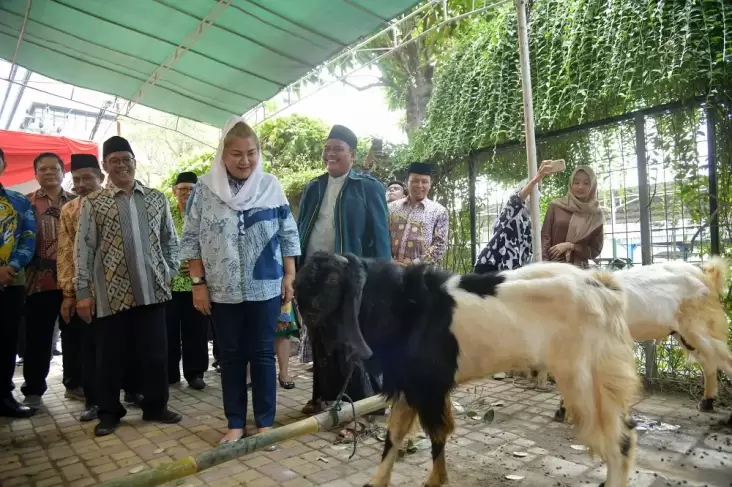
(323, 235)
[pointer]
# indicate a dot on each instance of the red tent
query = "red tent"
(22, 147)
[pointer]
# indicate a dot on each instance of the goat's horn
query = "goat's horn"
(341, 259)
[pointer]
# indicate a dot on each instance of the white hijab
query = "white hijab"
(261, 190)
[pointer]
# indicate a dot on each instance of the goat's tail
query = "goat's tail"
(716, 269)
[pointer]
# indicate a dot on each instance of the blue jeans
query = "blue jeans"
(245, 334)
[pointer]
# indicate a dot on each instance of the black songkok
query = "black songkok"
(420, 168)
(339, 132)
(81, 161)
(116, 144)
(186, 177)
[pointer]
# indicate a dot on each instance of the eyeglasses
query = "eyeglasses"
(116, 161)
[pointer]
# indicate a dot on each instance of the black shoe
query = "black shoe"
(133, 398)
(197, 384)
(10, 408)
(105, 427)
(90, 414)
(56, 353)
(166, 417)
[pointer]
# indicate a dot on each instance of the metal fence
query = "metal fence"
(657, 181)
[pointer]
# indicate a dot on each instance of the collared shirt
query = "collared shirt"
(66, 265)
(126, 247)
(180, 284)
(418, 231)
(17, 232)
(242, 251)
(41, 272)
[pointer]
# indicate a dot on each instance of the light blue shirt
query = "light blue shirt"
(242, 251)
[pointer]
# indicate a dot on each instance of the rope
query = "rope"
(337, 407)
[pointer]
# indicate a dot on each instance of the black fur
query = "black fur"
(683, 342)
(404, 317)
(387, 446)
(481, 284)
(625, 445)
(437, 450)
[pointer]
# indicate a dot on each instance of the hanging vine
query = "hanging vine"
(591, 59)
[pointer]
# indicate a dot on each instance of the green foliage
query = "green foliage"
(591, 59)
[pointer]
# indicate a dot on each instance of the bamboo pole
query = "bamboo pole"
(523, 36)
(223, 453)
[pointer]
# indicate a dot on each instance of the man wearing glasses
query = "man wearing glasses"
(186, 326)
(127, 249)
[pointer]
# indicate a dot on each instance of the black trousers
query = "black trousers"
(11, 308)
(188, 327)
(78, 339)
(138, 336)
(41, 312)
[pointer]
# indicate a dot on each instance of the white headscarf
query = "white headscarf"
(261, 190)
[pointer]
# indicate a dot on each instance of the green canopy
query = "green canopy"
(253, 50)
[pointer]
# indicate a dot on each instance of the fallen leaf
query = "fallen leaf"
(578, 447)
(137, 469)
(520, 454)
(159, 450)
(472, 415)
(458, 407)
(322, 459)
(514, 477)
(489, 416)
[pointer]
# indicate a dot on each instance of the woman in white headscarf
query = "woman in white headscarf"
(573, 226)
(241, 242)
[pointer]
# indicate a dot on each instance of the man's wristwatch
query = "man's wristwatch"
(197, 281)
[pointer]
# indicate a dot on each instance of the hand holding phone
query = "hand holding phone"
(558, 165)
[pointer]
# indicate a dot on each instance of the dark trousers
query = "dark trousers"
(138, 336)
(78, 339)
(189, 328)
(72, 344)
(245, 334)
(41, 312)
(11, 310)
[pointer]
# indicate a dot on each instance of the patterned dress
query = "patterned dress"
(510, 246)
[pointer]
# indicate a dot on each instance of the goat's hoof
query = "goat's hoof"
(706, 405)
(560, 415)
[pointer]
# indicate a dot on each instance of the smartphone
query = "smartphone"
(558, 165)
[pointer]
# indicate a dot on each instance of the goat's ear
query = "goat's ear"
(353, 283)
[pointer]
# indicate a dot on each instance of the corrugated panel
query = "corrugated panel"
(255, 48)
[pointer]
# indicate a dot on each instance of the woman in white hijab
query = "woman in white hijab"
(241, 241)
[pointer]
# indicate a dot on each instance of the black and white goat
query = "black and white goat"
(429, 330)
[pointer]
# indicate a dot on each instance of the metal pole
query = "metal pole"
(472, 177)
(223, 453)
(523, 36)
(643, 192)
(713, 185)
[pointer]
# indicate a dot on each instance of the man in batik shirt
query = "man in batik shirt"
(43, 301)
(418, 226)
(187, 328)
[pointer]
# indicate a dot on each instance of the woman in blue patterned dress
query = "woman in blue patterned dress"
(241, 242)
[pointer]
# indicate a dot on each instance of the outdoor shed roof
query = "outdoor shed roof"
(161, 53)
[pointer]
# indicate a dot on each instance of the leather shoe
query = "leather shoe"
(166, 417)
(90, 414)
(105, 427)
(197, 384)
(10, 408)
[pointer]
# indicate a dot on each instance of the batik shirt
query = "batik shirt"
(242, 251)
(127, 247)
(41, 272)
(510, 246)
(180, 284)
(65, 265)
(418, 232)
(17, 233)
